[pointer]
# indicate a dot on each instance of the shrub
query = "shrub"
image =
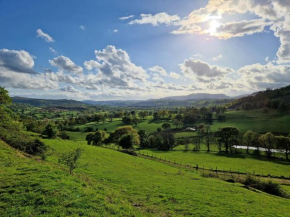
(36, 147)
(129, 151)
(64, 135)
(266, 186)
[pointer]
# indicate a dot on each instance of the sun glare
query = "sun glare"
(213, 25)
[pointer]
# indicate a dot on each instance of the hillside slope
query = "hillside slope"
(161, 190)
(111, 183)
(29, 187)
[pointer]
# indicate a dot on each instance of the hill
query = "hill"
(198, 96)
(196, 99)
(110, 183)
(48, 102)
(270, 98)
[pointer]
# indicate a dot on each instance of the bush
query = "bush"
(64, 135)
(266, 186)
(129, 151)
(36, 147)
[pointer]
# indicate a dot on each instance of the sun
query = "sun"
(213, 25)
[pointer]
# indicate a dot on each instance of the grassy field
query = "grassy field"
(110, 183)
(235, 162)
(29, 187)
(273, 121)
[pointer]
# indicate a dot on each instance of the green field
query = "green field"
(235, 162)
(273, 121)
(112, 183)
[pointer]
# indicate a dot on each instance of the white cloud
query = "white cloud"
(52, 50)
(157, 19)
(126, 18)
(64, 63)
(217, 58)
(174, 75)
(263, 76)
(159, 70)
(17, 61)
(115, 30)
(82, 27)
(16, 71)
(115, 69)
(44, 36)
(69, 89)
(239, 29)
(197, 69)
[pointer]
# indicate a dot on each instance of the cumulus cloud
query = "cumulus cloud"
(16, 71)
(273, 13)
(239, 29)
(115, 30)
(65, 64)
(263, 76)
(44, 36)
(197, 69)
(16, 61)
(114, 68)
(69, 89)
(82, 27)
(174, 75)
(159, 70)
(126, 18)
(157, 19)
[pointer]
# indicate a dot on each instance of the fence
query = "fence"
(202, 168)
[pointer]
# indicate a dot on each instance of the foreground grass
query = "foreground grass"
(158, 189)
(32, 188)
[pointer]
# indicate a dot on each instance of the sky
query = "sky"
(137, 49)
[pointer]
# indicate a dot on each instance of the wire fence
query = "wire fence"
(201, 168)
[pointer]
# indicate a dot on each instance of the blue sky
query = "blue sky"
(83, 50)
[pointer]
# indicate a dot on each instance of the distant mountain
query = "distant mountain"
(199, 96)
(196, 99)
(48, 102)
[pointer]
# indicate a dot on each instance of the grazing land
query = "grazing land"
(113, 183)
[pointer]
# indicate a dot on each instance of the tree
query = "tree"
(121, 131)
(126, 120)
(267, 141)
(249, 137)
(166, 126)
(71, 159)
(177, 123)
(50, 131)
(96, 138)
(4, 96)
(64, 135)
(225, 133)
(168, 141)
(126, 141)
(283, 143)
(143, 138)
(135, 121)
(283, 106)
(163, 113)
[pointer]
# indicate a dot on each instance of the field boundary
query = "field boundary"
(202, 169)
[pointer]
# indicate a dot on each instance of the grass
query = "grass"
(273, 121)
(235, 162)
(110, 183)
(29, 187)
